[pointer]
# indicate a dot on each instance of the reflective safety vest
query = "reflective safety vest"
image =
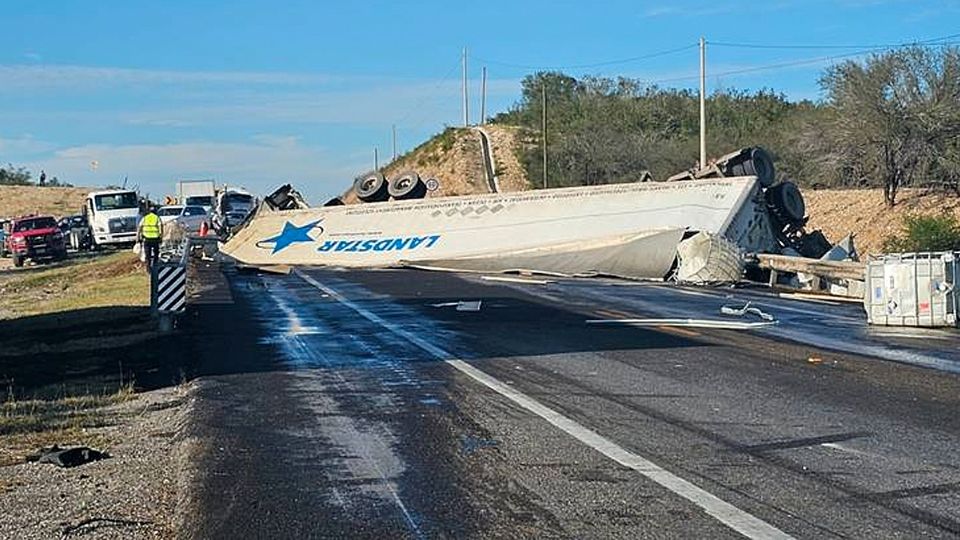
(150, 226)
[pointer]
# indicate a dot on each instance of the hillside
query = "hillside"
(56, 201)
(861, 211)
(454, 158)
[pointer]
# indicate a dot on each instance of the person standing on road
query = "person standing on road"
(150, 233)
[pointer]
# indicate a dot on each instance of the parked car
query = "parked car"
(76, 232)
(36, 238)
(4, 231)
(191, 217)
(170, 212)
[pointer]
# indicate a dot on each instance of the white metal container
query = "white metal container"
(913, 289)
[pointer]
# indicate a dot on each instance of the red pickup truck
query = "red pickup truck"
(36, 238)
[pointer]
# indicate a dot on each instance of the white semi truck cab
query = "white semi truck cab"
(113, 216)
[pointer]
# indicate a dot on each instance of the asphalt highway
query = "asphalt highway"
(389, 404)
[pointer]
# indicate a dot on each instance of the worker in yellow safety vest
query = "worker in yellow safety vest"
(150, 234)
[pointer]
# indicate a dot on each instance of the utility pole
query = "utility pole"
(466, 103)
(394, 142)
(483, 96)
(376, 159)
(703, 106)
(543, 128)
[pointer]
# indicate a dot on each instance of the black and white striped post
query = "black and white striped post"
(168, 292)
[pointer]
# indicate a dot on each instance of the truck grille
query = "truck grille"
(123, 225)
(37, 241)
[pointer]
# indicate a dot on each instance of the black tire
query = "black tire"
(760, 164)
(371, 188)
(336, 201)
(407, 186)
(17, 260)
(786, 202)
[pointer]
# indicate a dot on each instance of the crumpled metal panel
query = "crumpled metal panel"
(647, 255)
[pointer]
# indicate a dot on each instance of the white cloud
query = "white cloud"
(21, 76)
(25, 145)
(382, 103)
(260, 164)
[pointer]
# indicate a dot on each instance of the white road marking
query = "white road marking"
(517, 280)
(739, 520)
(842, 448)
(693, 323)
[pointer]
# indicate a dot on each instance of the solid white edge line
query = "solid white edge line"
(743, 522)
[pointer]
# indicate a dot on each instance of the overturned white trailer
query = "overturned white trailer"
(628, 230)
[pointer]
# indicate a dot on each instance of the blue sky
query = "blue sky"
(260, 93)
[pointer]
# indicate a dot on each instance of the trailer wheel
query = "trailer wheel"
(371, 188)
(407, 186)
(756, 162)
(786, 202)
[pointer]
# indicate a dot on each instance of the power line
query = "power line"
(417, 107)
(793, 63)
(591, 65)
(932, 41)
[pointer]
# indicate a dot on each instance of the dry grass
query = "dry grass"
(839, 212)
(118, 279)
(26, 426)
(55, 201)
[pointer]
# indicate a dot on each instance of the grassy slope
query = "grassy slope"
(117, 279)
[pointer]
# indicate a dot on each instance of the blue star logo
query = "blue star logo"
(291, 234)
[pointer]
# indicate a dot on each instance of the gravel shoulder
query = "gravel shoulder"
(132, 494)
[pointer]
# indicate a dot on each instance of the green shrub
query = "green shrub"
(926, 233)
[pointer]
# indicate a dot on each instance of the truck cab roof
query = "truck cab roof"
(109, 192)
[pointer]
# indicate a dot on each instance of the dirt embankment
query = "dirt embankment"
(839, 212)
(454, 158)
(55, 201)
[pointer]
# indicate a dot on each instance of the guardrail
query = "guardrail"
(489, 165)
(168, 281)
(826, 269)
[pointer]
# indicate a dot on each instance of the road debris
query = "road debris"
(746, 309)
(461, 305)
(692, 323)
(69, 457)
